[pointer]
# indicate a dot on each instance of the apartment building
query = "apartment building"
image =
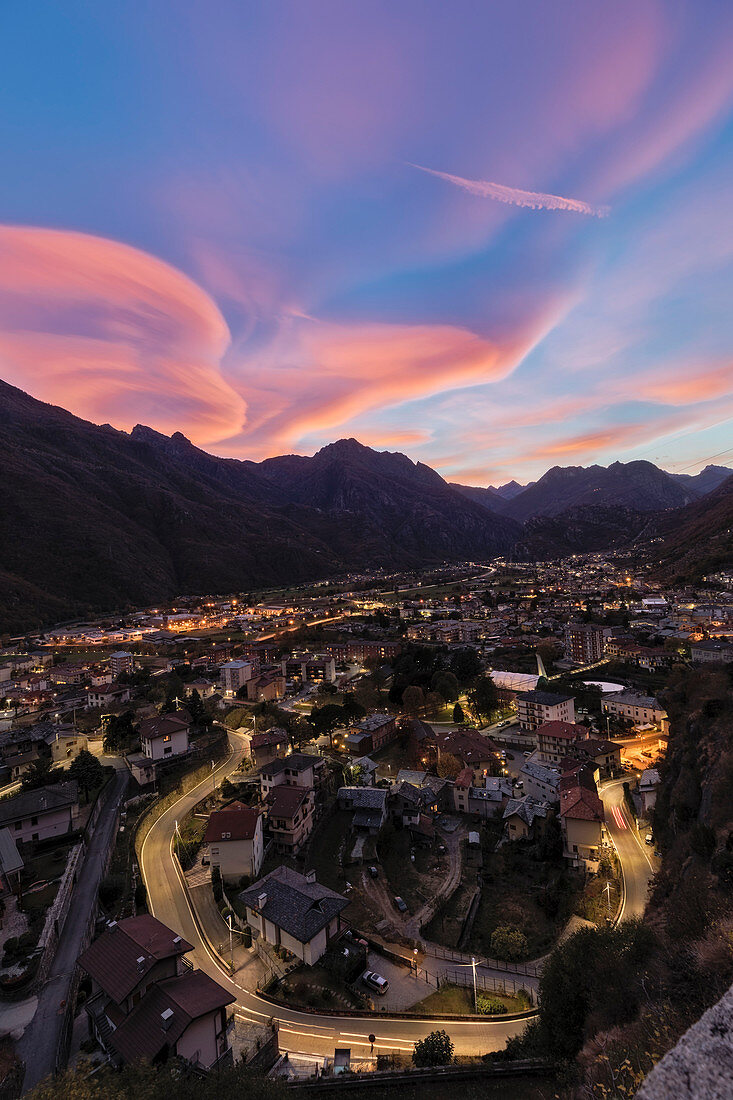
(586, 643)
(534, 708)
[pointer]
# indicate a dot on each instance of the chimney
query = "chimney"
(166, 1018)
(310, 876)
(262, 901)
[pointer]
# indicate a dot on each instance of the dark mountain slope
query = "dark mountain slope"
(640, 486)
(489, 499)
(699, 538)
(583, 530)
(94, 519)
(706, 481)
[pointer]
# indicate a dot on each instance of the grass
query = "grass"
(456, 1000)
(39, 900)
(316, 988)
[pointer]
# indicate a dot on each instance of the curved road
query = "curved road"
(635, 857)
(299, 1031)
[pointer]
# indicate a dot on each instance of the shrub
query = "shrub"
(141, 897)
(508, 942)
(110, 889)
(436, 1049)
(489, 1006)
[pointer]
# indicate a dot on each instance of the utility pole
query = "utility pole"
(475, 998)
(231, 944)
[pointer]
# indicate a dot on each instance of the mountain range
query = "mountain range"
(95, 519)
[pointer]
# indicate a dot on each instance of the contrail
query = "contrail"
(535, 200)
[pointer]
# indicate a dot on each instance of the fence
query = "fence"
(532, 970)
(484, 982)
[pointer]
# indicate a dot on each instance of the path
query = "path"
(39, 1044)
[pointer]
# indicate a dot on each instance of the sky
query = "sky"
(495, 236)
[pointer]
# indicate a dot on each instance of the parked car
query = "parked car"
(649, 839)
(374, 871)
(510, 756)
(400, 904)
(519, 784)
(527, 753)
(375, 982)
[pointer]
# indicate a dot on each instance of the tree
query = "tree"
(434, 703)
(413, 700)
(449, 766)
(458, 715)
(484, 698)
(436, 1049)
(196, 707)
(446, 684)
(119, 734)
(508, 942)
(465, 664)
(39, 774)
(144, 1081)
(87, 771)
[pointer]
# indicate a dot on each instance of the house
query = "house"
(581, 821)
(366, 770)
(107, 696)
(471, 749)
(483, 800)
(11, 863)
(648, 787)
(368, 806)
(524, 817)
(67, 743)
(407, 802)
(636, 708)
(605, 755)
(45, 812)
(713, 652)
(554, 739)
(370, 733)
(148, 1003)
(290, 817)
(268, 745)
(294, 911)
(164, 736)
(267, 687)
(541, 781)
(234, 837)
(534, 708)
(296, 770)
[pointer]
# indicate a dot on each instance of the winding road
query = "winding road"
(308, 1033)
(636, 860)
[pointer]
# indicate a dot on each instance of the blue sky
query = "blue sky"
(216, 219)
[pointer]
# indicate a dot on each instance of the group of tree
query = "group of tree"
(324, 720)
(146, 1082)
(84, 768)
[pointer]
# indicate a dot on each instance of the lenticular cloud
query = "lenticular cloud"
(535, 200)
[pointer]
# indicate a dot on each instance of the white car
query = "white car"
(375, 982)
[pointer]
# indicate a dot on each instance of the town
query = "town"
(386, 796)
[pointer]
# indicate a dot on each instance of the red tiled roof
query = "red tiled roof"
(286, 801)
(235, 822)
(163, 726)
(464, 778)
(568, 731)
(581, 804)
(112, 960)
(269, 737)
(142, 1034)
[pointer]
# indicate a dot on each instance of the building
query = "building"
(295, 912)
(43, 813)
(581, 821)
(712, 652)
(541, 781)
(67, 744)
(121, 663)
(235, 840)
(269, 745)
(368, 806)
(290, 817)
(648, 787)
(637, 708)
(147, 1001)
(483, 801)
(234, 675)
(371, 733)
(534, 708)
(11, 864)
(524, 817)
(471, 749)
(585, 643)
(107, 696)
(164, 736)
(267, 687)
(555, 740)
(296, 770)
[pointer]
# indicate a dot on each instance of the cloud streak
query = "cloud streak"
(515, 196)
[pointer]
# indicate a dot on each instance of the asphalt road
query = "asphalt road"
(39, 1042)
(299, 1031)
(637, 861)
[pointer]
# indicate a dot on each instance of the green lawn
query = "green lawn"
(456, 1000)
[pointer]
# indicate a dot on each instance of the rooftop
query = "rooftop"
(41, 801)
(126, 951)
(294, 903)
(235, 822)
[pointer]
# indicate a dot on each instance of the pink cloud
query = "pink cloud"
(113, 332)
(514, 196)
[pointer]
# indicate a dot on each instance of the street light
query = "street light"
(475, 998)
(213, 780)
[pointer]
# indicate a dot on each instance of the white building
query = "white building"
(164, 736)
(294, 911)
(234, 675)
